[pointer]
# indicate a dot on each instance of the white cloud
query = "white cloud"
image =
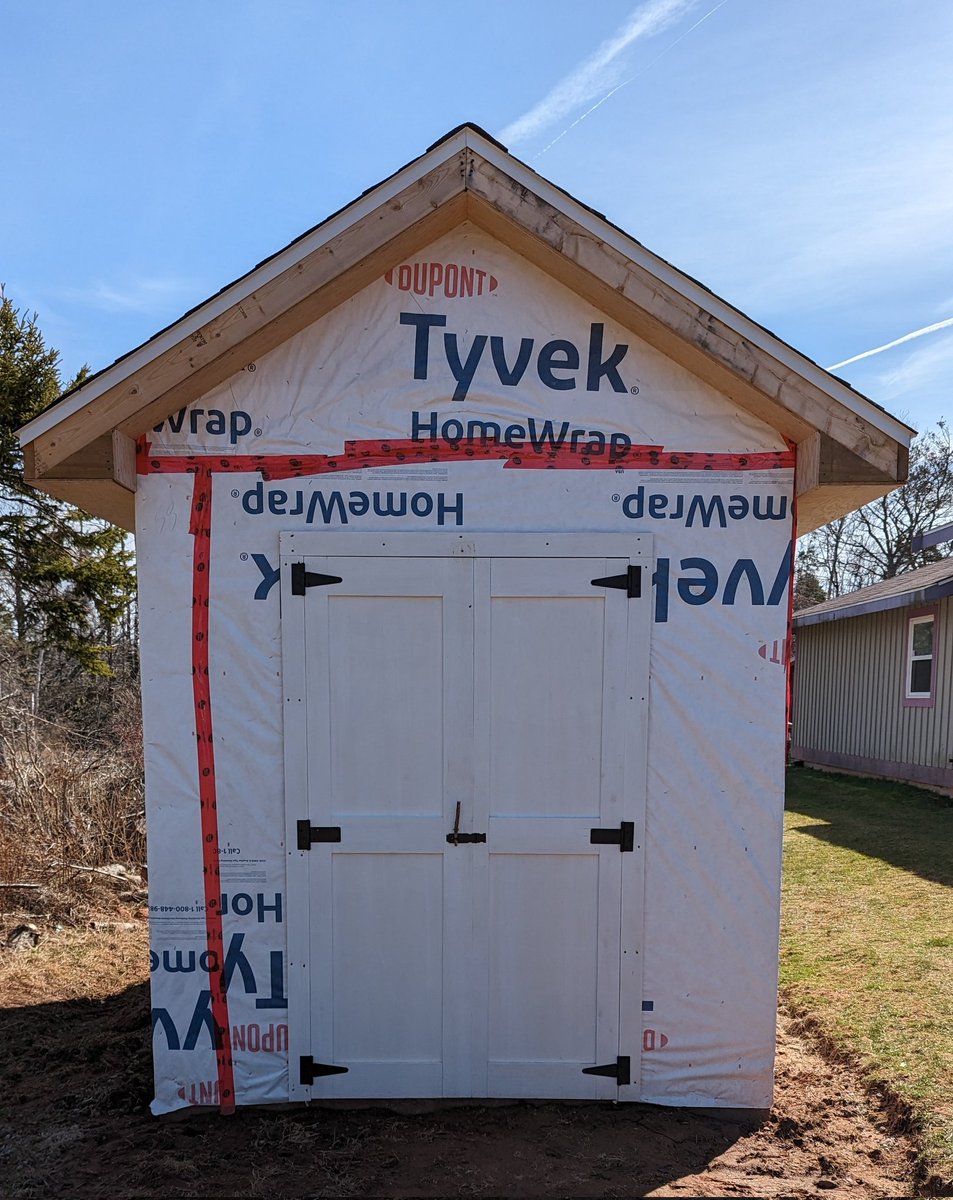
(924, 368)
(793, 237)
(146, 295)
(599, 72)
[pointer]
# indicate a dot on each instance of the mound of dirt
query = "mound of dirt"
(74, 1121)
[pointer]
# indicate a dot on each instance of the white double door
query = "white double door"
(460, 716)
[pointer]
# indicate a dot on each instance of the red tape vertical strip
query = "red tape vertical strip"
(200, 526)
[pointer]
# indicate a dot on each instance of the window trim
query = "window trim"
(915, 617)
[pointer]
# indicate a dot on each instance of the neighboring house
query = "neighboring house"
(873, 685)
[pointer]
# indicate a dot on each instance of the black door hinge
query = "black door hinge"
(620, 1070)
(310, 1070)
(630, 582)
(623, 837)
(302, 579)
(308, 834)
(458, 839)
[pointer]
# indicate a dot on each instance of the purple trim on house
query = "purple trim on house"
(920, 701)
(907, 772)
(934, 537)
(939, 591)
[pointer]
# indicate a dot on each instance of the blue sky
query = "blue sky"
(796, 158)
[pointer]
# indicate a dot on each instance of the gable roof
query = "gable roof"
(849, 450)
(925, 585)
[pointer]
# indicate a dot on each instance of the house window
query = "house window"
(920, 655)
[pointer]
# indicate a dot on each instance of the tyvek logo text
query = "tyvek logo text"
(200, 1024)
(556, 362)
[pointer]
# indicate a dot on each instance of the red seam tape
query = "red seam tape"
(357, 454)
(200, 526)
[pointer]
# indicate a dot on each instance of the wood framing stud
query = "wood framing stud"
(807, 474)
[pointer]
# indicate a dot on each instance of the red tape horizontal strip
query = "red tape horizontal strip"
(387, 453)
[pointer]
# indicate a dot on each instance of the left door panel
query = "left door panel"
(378, 695)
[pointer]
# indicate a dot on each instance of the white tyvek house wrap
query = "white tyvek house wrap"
(717, 700)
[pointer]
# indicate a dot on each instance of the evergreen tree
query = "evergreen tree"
(67, 579)
(807, 588)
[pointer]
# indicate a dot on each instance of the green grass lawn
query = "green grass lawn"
(867, 934)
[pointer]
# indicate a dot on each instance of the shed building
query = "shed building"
(873, 685)
(464, 531)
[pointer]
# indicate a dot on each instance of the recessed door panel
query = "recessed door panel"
(388, 997)
(546, 697)
(544, 925)
(386, 670)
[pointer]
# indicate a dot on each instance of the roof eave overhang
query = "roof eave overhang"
(865, 608)
(850, 451)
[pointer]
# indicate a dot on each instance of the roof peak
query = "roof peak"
(852, 450)
(467, 125)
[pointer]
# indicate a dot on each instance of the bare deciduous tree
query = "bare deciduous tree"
(876, 542)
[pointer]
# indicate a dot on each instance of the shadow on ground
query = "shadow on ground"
(75, 1119)
(905, 826)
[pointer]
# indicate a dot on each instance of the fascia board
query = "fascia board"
(242, 288)
(925, 595)
(933, 537)
(699, 295)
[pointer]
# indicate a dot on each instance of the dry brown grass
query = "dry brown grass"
(76, 964)
(69, 803)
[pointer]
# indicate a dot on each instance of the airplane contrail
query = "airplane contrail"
(588, 79)
(907, 337)
(625, 82)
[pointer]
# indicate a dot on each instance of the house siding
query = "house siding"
(848, 698)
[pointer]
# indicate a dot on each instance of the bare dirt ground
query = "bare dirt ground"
(74, 1122)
